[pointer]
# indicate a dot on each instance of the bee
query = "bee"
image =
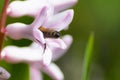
(49, 33)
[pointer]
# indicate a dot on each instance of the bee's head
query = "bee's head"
(57, 34)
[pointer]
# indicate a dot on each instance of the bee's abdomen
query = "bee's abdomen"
(51, 34)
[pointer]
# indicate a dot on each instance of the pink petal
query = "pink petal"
(58, 52)
(35, 73)
(56, 43)
(15, 54)
(46, 54)
(53, 71)
(16, 30)
(60, 21)
(63, 4)
(19, 31)
(47, 57)
(28, 7)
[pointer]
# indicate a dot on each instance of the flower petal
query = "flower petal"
(21, 8)
(56, 43)
(15, 54)
(58, 52)
(53, 71)
(16, 30)
(38, 36)
(63, 4)
(35, 73)
(40, 18)
(19, 31)
(60, 21)
(47, 56)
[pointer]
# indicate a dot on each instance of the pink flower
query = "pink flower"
(47, 17)
(33, 55)
(57, 22)
(32, 7)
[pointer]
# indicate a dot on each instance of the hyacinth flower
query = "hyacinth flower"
(44, 17)
(31, 55)
(33, 32)
(21, 8)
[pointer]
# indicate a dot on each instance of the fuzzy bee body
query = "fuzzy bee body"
(49, 33)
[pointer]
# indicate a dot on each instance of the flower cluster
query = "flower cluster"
(48, 18)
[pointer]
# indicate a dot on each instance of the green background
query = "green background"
(99, 16)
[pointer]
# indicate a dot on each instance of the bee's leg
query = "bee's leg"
(44, 48)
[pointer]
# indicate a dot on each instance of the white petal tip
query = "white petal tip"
(70, 12)
(67, 38)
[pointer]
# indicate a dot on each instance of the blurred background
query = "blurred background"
(99, 16)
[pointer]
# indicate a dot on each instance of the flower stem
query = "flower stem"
(3, 22)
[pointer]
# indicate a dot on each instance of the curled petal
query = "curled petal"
(56, 43)
(60, 21)
(63, 4)
(58, 52)
(35, 73)
(28, 7)
(14, 54)
(53, 71)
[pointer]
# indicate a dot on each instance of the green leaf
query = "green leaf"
(88, 57)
